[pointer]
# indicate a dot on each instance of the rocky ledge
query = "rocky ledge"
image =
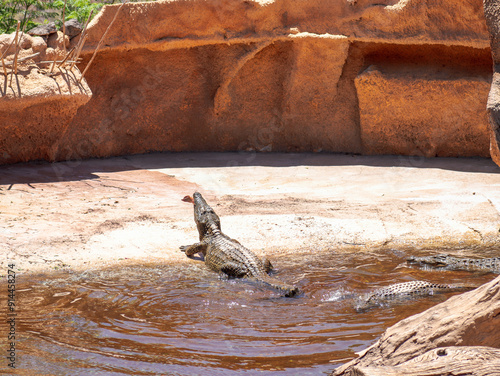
(370, 77)
(38, 98)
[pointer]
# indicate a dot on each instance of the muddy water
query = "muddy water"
(184, 320)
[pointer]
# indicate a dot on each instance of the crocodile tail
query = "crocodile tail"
(461, 287)
(285, 289)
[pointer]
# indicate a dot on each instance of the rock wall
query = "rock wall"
(377, 77)
(492, 13)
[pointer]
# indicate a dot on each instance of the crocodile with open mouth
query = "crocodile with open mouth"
(225, 255)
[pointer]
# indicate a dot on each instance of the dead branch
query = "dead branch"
(15, 54)
(59, 61)
(4, 69)
(100, 42)
(64, 26)
(66, 57)
(63, 38)
(81, 42)
(21, 59)
(79, 50)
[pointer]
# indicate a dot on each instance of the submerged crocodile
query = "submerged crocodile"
(405, 290)
(225, 255)
(454, 263)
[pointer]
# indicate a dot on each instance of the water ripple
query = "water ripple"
(185, 320)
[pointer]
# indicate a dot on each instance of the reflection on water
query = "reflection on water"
(184, 320)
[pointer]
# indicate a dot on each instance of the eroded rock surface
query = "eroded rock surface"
(36, 105)
(492, 13)
(454, 360)
(232, 75)
(411, 111)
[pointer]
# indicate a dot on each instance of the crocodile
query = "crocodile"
(448, 262)
(227, 256)
(405, 290)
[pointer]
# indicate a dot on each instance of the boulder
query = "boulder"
(454, 360)
(43, 30)
(26, 42)
(72, 28)
(58, 41)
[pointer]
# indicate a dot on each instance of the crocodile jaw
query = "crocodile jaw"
(207, 222)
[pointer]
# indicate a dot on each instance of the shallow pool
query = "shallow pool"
(184, 320)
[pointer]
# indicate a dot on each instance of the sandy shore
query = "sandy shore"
(99, 213)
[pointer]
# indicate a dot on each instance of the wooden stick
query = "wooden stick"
(21, 59)
(5, 52)
(66, 58)
(83, 36)
(63, 39)
(54, 62)
(64, 26)
(18, 49)
(79, 50)
(59, 61)
(4, 69)
(15, 55)
(100, 42)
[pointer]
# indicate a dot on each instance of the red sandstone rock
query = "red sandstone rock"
(280, 76)
(184, 22)
(36, 107)
(453, 360)
(422, 112)
(313, 116)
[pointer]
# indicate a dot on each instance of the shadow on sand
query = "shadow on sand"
(44, 172)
